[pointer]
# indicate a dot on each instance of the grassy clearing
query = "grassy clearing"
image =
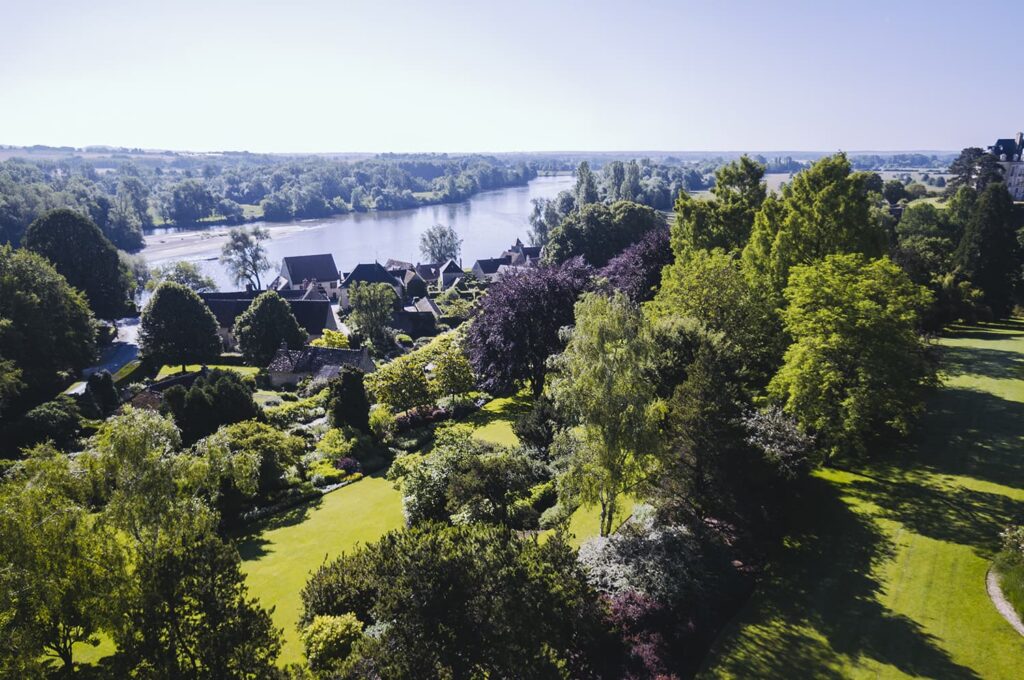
(279, 557)
(883, 575)
(168, 371)
(494, 421)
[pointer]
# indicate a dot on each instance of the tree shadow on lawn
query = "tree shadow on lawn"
(968, 432)
(251, 544)
(993, 330)
(510, 409)
(991, 363)
(824, 581)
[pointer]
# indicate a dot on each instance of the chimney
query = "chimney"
(1020, 136)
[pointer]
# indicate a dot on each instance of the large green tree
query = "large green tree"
(857, 366)
(184, 272)
(726, 219)
(47, 332)
(989, 254)
(60, 566)
(440, 243)
(467, 601)
(262, 328)
(372, 305)
(826, 209)
(83, 255)
(178, 328)
(598, 232)
(245, 256)
(601, 383)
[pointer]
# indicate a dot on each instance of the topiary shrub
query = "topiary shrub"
(58, 420)
(347, 403)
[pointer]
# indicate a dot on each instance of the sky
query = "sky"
(523, 75)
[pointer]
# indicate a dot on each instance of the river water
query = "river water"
(488, 223)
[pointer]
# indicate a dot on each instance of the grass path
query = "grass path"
(278, 560)
(886, 577)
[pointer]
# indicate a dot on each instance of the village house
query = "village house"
(299, 271)
(313, 315)
(368, 273)
(288, 366)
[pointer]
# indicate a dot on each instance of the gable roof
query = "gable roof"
(313, 315)
(316, 359)
(299, 268)
(450, 267)
(424, 304)
(428, 272)
(397, 264)
(490, 265)
(369, 273)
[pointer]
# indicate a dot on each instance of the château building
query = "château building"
(1009, 152)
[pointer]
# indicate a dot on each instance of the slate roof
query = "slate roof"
(428, 272)
(299, 268)
(312, 315)
(369, 273)
(316, 359)
(424, 304)
(490, 265)
(450, 267)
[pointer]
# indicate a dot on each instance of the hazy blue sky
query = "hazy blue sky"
(517, 75)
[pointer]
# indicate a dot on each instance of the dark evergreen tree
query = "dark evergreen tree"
(178, 328)
(989, 255)
(262, 328)
(348, 403)
(83, 256)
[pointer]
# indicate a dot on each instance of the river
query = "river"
(488, 223)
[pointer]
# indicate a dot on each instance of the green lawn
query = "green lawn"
(884, 573)
(493, 422)
(278, 559)
(168, 371)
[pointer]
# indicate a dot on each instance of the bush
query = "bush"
(328, 640)
(323, 473)
(58, 420)
(99, 388)
(556, 516)
(301, 411)
(403, 340)
(537, 426)
(382, 424)
(215, 398)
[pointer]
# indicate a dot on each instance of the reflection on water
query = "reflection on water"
(488, 224)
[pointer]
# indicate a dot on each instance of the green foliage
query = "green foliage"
(372, 305)
(601, 382)
(61, 568)
(258, 458)
(302, 411)
(824, 210)
(47, 332)
(452, 374)
(183, 272)
(401, 384)
(440, 243)
(726, 220)
(58, 421)
(598, 232)
(245, 256)
(82, 254)
(214, 399)
(989, 255)
(856, 365)
(463, 601)
(712, 288)
(347, 403)
(331, 338)
(101, 391)
(178, 328)
(262, 328)
(328, 640)
(382, 423)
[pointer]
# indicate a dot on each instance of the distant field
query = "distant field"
(883, 575)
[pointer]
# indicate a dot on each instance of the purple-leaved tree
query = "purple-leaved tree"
(515, 329)
(636, 271)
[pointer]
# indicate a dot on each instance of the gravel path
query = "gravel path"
(1004, 607)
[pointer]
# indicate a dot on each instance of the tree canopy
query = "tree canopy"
(440, 243)
(262, 328)
(245, 256)
(516, 326)
(598, 232)
(83, 255)
(178, 328)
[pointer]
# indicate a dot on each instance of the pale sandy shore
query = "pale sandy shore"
(185, 245)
